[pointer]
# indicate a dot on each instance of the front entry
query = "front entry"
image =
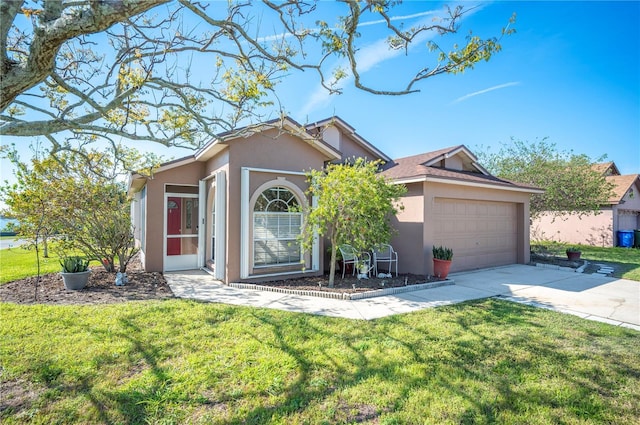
(181, 231)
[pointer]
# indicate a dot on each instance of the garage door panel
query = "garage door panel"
(481, 233)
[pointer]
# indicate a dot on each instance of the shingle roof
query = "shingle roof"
(603, 167)
(621, 186)
(412, 167)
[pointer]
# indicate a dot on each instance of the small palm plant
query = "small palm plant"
(74, 264)
(442, 253)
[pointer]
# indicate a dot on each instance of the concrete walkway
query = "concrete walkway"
(594, 297)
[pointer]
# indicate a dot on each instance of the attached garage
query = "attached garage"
(453, 202)
(481, 233)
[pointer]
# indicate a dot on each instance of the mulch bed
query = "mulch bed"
(556, 261)
(101, 288)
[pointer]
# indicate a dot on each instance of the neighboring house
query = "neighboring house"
(227, 207)
(621, 212)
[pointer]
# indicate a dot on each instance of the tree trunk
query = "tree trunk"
(332, 267)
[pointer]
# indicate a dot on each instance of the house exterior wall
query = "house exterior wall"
(590, 229)
(188, 174)
(627, 213)
(350, 149)
(416, 230)
(273, 158)
(434, 191)
(265, 152)
(409, 223)
(453, 163)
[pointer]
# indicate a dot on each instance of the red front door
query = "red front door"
(174, 225)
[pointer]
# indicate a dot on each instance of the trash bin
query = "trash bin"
(625, 238)
(636, 238)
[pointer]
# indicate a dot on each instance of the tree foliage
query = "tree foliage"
(30, 200)
(79, 71)
(354, 206)
(569, 180)
(76, 197)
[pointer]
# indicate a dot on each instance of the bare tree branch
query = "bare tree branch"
(121, 68)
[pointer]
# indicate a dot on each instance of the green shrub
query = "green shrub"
(442, 253)
(74, 264)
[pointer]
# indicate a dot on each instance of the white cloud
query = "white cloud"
(490, 89)
(398, 18)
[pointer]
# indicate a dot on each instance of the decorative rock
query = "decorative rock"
(121, 279)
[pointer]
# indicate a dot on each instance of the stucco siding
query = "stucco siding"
(408, 223)
(262, 152)
(488, 227)
(590, 229)
(350, 149)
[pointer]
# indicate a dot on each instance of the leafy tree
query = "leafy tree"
(97, 221)
(56, 82)
(570, 183)
(31, 201)
(354, 206)
(77, 196)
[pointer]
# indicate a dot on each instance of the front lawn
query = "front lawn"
(20, 262)
(627, 259)
(178, 361)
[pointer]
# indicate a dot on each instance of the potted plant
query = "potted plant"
(442, 257)
(75, 272)
(573, 253)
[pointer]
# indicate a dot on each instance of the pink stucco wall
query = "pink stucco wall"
(419, 231)
(590, 229)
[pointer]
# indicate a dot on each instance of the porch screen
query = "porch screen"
(276, 226)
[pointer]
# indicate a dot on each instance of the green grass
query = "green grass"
(179, 361)
(20, 262)
(627, 259)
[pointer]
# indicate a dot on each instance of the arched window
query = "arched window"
(277, 222)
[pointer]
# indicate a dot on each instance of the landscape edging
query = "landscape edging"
(345, 296)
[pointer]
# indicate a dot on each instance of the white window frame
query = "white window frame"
(246, 210)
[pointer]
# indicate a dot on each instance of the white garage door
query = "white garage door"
(481, 233)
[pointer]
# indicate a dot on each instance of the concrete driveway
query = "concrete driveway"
(594, 297)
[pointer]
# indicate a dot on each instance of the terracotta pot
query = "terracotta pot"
(441, 268)
(75, 281)
(573, 255)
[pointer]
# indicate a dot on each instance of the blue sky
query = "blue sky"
(571, 73)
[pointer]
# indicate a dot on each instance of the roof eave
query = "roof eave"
(136, 183)
(460, 182)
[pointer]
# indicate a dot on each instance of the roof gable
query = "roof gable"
(456, 163)
(606, 168)
(284, 124)
(337, 122)
(622, 185)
